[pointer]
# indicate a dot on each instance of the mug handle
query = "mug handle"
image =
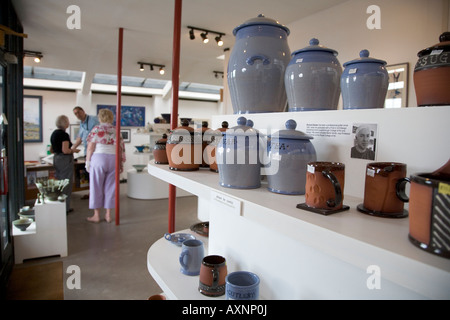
(215, 275)
(337, 189)
(251, 60)
(183, 253)
(400, 189)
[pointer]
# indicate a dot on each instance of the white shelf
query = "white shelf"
(163, 265)
(352, 237)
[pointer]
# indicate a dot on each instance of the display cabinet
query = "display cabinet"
(299, 254)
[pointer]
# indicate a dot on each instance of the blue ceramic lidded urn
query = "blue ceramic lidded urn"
(364, 82)
(312, 78)
(257, 65)
(238, 158)
(290, 151)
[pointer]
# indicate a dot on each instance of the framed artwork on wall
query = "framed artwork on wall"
(126, 135)
(32, 118)
(397, 94)
(74, 129)
(129, 116)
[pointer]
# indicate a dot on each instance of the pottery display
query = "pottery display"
(139, 167)
(238, 159)
(432, 74)
(184, 148)
(213, 139)
(159, 151)
(191, 256)
(257, 65)
(364, 82)
(429, 211)
(312, 78)
(140, 148)
(290, 151)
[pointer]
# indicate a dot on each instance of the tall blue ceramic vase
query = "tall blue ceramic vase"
(257, 66)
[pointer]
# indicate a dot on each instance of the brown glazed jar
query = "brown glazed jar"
(159, 151)
(183, 148)
(204, 129)
(432, 74)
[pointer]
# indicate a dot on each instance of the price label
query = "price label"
(352, 71)
(226, 202)
(444, 188)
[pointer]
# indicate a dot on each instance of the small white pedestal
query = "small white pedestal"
(47, 236)
(142, 185)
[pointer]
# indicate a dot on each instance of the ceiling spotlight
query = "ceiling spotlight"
(142, 67)
(37, 59)
(219, 41)
(161, 71)
(151, 65)
(191, 34)
(34, 54)
(204, 36)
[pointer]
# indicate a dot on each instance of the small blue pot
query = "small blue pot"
(364, 83)
(312, 78)
(290, 151)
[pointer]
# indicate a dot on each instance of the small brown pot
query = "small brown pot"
(212, 144)
(159, 151)
(183, 149)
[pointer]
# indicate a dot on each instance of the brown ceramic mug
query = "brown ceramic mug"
(325, 185)
(213, 272)
(384, 190)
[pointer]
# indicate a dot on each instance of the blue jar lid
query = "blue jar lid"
(314, 46)
(364, 58)
(261, 20)
(291, 133)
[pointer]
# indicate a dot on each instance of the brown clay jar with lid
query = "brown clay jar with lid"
(212, 144)
(432, 74)
(183, 148)
(159, 151)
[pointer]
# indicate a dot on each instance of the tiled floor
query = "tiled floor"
(112, 259)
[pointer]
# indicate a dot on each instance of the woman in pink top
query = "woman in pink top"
(101, 165)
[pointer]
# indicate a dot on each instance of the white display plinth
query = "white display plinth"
(142, 185)
(47, 236)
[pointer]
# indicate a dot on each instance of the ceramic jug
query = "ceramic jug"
(432, 74)
(238, 157)
(290, 151)
(312, 78)
(257, 65)
(364, 82)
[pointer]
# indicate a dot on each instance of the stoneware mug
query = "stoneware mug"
(242, 285)
(325, 185)
(384, 190)
(212, 276)
(192, 253)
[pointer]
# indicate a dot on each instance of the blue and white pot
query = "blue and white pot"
(364, 83)
(238, 158)
(257, 65)
(290, 151)
(312, 78)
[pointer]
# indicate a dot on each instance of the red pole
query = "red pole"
(118, 108)
(175, 86)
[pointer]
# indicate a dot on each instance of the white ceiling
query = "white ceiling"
(148, 30)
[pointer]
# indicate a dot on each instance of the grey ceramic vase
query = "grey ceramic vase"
(290, 151)
(312, 78)
(257, 65)
(364, 83)
(237, 157)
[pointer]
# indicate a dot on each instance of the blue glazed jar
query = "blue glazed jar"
(257, 65)
(238, 158)
(364, 83)
(312, 78)
(290, 151)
